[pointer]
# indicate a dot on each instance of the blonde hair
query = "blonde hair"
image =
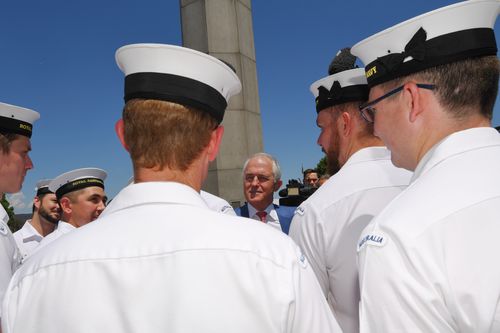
(163, 134)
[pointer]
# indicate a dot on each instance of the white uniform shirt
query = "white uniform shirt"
(217, 204)
(272, 218)
(430, 261)
(27, 239)
(158, 260)
(61, 229)
(327, 225)
(10, 257)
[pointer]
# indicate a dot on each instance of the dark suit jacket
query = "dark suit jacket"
(285, 215)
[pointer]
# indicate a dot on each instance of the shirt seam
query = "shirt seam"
(167, 253)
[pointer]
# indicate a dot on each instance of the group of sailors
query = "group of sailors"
(403, 238)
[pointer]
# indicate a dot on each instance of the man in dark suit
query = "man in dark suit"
(261, 178)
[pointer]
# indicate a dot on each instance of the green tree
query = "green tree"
(321, 166)
(14, 224)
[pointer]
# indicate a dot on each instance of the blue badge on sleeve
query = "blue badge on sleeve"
(300, 210)
(372, 239)
(3, 229)
(225, 209)
(302, 258)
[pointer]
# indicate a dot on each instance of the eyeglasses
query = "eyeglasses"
(368, 111)
(261, 178)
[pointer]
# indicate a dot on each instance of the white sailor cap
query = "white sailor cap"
(76, 180)
(177, 74)
(42, 187)
(452, 33)
(339, 88)
(17, 120)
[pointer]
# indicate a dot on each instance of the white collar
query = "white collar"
(64, 226)
(3, 215)
(4, 220)
(369, 154)
(456, 143)
(154, 192)
(270, 210)
(28, 232)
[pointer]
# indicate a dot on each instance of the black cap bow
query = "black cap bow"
(335, 92)
(415, 49)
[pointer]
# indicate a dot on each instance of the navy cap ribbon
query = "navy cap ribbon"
(338, 95)
(415, 48)
(440, 50)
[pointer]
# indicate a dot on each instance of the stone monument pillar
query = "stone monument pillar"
(223, 29)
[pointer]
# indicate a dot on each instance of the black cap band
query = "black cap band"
(444, 49)
(43, 190)
(16, 126)
(338, 95)
(177, 89)
(78, 185)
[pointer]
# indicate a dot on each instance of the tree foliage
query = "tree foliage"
(321, 166)
(14, 224)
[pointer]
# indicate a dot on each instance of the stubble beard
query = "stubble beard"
(332, 156)
(332, 163)
(43, 213)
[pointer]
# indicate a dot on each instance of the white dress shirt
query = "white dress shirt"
(27, 239)
(61, 229)
(159, 260)
(430, 261)
(10, 258)
(217, 204)
(327, 225)
(272, 218)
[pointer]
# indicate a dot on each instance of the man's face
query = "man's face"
(49, 208)
(329, 139)
(259, 183)
(389, 124)
(311, 179)
(88, 205)
(14, 165)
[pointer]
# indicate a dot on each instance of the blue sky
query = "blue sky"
(57, 57)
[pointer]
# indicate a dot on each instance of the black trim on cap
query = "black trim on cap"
(338, 95)
(444, 49)
(43, 190)
(177, 89)
(16, 126)
(78, 185)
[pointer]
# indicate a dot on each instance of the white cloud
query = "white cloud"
(18, 201)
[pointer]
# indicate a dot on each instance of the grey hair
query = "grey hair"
(274, 162)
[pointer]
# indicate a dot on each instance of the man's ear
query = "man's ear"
(120, 132)
(37, 202)
(214, 144)
(413, 100)
(345, 124)
(277, 185)
(65, 205)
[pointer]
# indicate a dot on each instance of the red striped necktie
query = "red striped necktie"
(262, 216)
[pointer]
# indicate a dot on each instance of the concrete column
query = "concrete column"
(223, 29)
